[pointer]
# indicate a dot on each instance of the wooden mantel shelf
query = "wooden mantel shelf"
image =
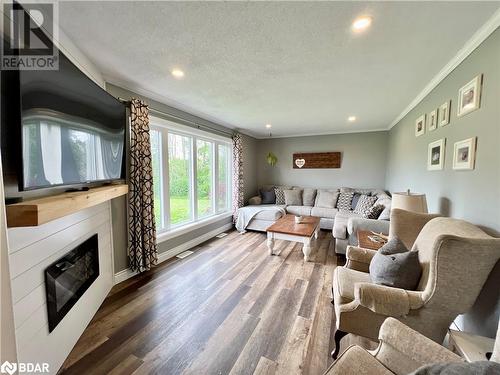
(40, 211)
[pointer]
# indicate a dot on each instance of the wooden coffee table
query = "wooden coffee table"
(286, 229)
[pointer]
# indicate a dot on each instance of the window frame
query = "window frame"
(166, 127)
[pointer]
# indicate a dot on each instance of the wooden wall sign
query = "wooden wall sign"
(311, 160)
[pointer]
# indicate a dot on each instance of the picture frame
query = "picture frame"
(435, 155)
(444, 113)
(469, 96)
(420, 126)
(432, 119)
(464, 154)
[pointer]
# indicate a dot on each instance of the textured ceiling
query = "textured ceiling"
(296, 65)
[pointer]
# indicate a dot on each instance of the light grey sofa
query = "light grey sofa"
(344, 224)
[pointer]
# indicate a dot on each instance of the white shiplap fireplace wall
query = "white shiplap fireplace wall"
(31, 250)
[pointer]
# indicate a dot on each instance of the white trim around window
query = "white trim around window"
(178, 150)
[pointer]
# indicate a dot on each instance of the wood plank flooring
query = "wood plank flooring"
(229, 308)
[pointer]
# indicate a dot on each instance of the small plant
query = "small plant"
(271, 159)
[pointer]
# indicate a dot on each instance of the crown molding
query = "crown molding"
(479, 36)
(340, 132)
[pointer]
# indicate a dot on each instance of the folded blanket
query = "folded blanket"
(246, 214)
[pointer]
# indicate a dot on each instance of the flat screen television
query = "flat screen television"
(59, 128)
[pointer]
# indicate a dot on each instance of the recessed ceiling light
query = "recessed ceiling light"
(351, 118)
(177, 73)
(268, 126)
(361, 23)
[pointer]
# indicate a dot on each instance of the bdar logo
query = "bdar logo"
(8, 368)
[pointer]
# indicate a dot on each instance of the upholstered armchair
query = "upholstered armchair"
(401, 350)
(456, 258)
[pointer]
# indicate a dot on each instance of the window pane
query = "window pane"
(223, 178)
(179, 169)
(155, 137)
(204, 173)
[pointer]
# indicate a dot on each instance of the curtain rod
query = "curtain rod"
(198, 126)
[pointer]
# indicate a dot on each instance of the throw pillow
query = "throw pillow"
(293, 197)
(355, 199)
(345, 199)
(268, 197)
(364, 204)
(452, 368)
(280, 196)
(308, 197)
(326, 199)
(393, 265)
(374, 211)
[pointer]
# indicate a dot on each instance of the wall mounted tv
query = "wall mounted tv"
(59, 128)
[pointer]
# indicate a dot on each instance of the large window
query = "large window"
(191, 175)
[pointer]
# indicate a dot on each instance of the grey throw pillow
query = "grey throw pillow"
(326, 199)
(474, 368)
(308, 196)
(355, 199)
(268, 197)
(393, 265)
(293, 197)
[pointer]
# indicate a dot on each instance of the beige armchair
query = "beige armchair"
(401, 350)
(456, 258)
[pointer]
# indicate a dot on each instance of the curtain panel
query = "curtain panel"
(237, 188)
(142, 247)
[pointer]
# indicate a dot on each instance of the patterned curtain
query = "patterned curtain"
(142, 248)
(238, 196)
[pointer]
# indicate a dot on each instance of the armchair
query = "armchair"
(456, 258)
(401, 350)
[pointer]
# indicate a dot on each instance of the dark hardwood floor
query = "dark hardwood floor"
(229, 308)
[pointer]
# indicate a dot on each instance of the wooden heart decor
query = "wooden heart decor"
(316, 160)
(300, 162)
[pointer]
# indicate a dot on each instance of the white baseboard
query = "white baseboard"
(128, 273)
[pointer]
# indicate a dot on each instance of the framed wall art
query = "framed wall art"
(420, 126)
(444, 113)
(464, 154)
(469, 96)
(435, 155)
(432, 120)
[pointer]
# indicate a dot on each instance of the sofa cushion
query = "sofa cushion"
(393, 265)
(299, 210)
(308, 196)
(345, 278)
(326, 198)
(293, 197)
(364, 204)
(345, 200)
(328, 213)
(268, 197)
(340, 225)
(269, 215)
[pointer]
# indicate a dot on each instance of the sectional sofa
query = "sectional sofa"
(324, 203)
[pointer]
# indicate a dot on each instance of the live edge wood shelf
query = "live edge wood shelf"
(40, 211)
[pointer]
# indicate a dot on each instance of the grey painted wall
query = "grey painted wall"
(471, 195)
(363, 160)
(118, 206)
